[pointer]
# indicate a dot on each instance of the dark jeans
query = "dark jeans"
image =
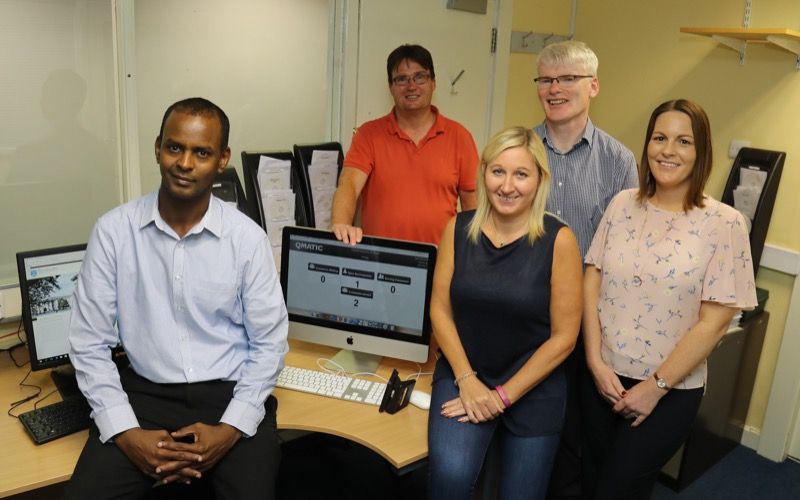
(622, 462)
(248, 470)
(456, 452)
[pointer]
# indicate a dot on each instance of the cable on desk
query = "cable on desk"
(14, 360)
(321, 362)
(419, 373)
(22, 383)
(10, 350)
(36, 404)
(341, 371)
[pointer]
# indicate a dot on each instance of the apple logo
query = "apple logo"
(349, 340)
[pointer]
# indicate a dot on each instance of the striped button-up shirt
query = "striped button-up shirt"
(585, 179)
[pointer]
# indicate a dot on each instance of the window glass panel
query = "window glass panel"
(59, 166)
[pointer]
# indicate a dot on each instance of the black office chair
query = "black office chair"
(303, 154)
(250, 167)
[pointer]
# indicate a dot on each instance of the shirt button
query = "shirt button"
(190, 370)
(558, 212)
(560, 183)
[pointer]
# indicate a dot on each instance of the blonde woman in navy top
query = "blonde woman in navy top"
(506, 312)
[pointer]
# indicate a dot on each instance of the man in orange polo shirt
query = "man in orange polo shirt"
(411, 166)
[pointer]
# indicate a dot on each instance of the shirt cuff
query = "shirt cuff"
(115, 420)
(243, 416)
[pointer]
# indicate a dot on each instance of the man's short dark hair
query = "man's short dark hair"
(203, 107)
(416, 53)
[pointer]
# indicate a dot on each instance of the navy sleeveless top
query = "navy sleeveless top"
(501, 307)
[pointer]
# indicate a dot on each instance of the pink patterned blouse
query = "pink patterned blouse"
(657, 268)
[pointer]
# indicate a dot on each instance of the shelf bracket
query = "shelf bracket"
(790, 45)
(738, 45)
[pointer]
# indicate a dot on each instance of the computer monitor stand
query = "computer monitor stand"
(354, 362)
(65, 381)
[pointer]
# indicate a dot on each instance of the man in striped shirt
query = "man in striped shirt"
(588, 168)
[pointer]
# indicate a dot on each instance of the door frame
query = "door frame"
(344, 50)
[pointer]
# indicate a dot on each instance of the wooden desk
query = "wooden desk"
(25, 466)
(400, 438)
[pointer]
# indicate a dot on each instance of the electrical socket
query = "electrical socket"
(736, 145)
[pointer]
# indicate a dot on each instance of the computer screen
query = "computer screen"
(371, 298)
(47, 279)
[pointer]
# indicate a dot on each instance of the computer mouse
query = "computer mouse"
(420, 399)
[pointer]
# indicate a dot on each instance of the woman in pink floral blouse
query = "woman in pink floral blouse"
(667, 270)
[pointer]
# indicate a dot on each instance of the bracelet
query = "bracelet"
(463, 376)
(503, 396)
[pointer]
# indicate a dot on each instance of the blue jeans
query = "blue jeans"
(456, 452)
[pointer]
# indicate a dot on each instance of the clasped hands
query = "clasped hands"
(164, 457)
(476, 403)
(637, 403)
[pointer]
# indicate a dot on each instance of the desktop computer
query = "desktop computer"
(47, 279)
(371, 299)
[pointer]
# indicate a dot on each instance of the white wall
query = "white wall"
(264, 62)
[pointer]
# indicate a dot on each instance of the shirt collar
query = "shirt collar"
(436, 129)
(588, 136)
(211, 221)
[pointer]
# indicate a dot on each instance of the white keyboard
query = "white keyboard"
(332, 386)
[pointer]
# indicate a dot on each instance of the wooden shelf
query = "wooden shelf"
(738, 38)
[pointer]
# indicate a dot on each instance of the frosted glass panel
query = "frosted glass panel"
(265, 62)
(59, 168)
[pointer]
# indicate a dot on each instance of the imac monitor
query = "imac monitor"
(371, 298)
(47, 279)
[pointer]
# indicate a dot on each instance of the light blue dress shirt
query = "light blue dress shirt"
(586, 178)
(207, 306)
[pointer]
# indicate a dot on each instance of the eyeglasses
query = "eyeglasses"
(418, 78)
(563, 80)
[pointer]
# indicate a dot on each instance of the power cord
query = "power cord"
(16, 404)
(21, 343)
(36, 404)
(322, 362)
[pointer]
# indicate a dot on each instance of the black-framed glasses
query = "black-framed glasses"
(563, 80)
(418, 78)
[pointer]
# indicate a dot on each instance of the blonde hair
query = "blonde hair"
(513, 137)
(569, 52)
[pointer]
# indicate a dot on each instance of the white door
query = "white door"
(461, 44)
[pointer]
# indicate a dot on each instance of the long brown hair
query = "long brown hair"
(701, 129)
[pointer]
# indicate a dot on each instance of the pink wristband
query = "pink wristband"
(502, 393)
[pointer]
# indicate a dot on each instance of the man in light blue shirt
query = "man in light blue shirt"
(588, 168)
(188, 286)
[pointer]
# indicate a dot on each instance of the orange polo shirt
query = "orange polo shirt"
(412, 190)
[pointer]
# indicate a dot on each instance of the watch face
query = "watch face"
(661, 383)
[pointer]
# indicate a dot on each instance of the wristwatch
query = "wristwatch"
(660, 382)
